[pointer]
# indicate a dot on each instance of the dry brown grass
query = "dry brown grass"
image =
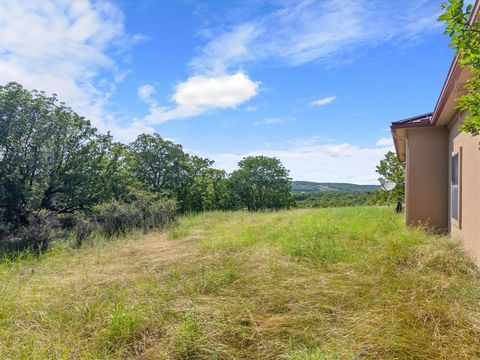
(316, 284)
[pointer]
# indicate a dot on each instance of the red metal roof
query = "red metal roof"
(416, 121)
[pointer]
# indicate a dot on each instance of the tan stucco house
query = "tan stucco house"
(443, 165)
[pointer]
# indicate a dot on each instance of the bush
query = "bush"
(111, 219)
(117, 219)
(83, 227)
(156, 214)
(42, 229)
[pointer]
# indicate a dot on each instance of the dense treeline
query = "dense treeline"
(57, 171)
(310, 186)
(326, 199)
(60, 178)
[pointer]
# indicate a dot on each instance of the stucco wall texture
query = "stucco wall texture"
(427, 177)
(467, 229)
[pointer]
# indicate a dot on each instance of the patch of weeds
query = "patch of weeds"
(312, 351)
(218, 276)
(179, 233)
(322, 246)
(185, 337)
(124, 325)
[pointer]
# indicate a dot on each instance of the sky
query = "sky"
(315, 83)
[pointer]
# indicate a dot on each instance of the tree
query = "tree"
(262, 183)
(50, 157)
(163, 167)
(208, 191)
(465, 39)
(194, 167)
(157, 163)
(391, 169)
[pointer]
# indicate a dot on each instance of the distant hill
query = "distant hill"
(309, 186)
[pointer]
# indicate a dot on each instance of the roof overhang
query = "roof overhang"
(399, 132)
(453, 88)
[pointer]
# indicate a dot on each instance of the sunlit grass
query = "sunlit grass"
(303, 284)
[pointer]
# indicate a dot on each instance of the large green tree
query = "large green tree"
(209, 191)
(262, 183)
(163, 167)
(391, 169)
(50, 157)
(465, 39)
(158, 163)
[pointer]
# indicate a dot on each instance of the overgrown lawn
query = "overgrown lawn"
(345, 283)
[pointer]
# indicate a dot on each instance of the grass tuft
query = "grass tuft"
(185, 337)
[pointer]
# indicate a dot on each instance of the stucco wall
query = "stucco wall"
(427, 177)
(468, 227)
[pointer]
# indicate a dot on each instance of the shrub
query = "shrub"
(43, 227)
(4, 229)
(157, 214)
(111, 219)
(83, 227)
(117, 219)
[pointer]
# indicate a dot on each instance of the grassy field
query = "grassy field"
(349, 283)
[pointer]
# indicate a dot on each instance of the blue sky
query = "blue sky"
(314, 83)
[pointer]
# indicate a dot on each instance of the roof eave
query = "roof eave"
(453, 75)
(399, 141)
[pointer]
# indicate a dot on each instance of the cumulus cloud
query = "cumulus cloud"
(64, 47)
(385, 142)
(293, 33)
(199, 94)
(324, 101)
(299, 32)
(315, 161)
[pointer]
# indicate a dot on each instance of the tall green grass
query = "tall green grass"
(350, 283)
(342, 235)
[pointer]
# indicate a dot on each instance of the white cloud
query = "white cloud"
(223, 91)
(299, 32)
(270, 121)
(251, 108)
(145, 92)
(296, 33)
(130, 132)
(324, 101)
(341, 162)
(313, 161)
(215, 57)
(63, 47)
(202, 93)
(385, 141)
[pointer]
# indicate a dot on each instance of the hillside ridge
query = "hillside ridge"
(311, 186)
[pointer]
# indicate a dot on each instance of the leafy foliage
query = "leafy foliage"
(53, 162)
(118, 219)
(209, 191)
(327, 199)
(310, 186)
(465, 39)
(50, 157)
(391, 169)
(43, 228)
(262, 183)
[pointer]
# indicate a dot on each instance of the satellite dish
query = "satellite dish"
(388, 185)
